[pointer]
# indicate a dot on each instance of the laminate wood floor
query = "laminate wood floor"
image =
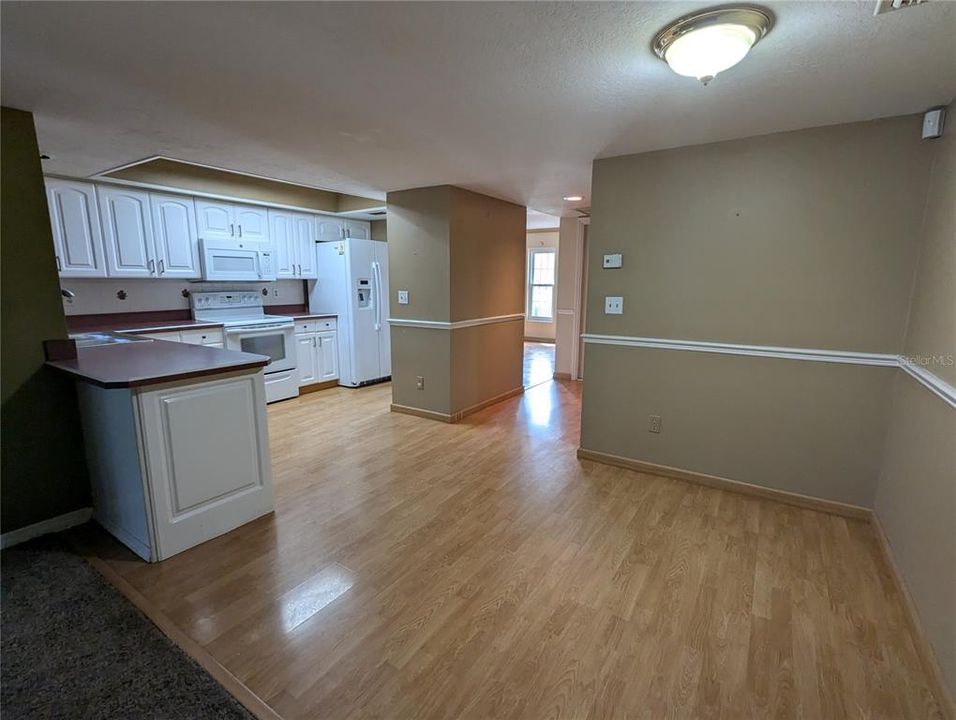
(415, 569)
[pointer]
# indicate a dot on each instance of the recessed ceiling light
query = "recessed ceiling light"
(573, 198)
(706, 43)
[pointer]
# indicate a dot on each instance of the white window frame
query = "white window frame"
(529, 290)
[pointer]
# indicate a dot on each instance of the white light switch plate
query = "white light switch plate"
(613, 261)
(613, 305)
(403, 297)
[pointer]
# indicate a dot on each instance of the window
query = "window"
(541, 285)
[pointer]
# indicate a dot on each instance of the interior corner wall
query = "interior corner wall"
(42, 464)
(460, 256)
(771, 241)
(916, 492)
(487, 281)
(536, 330)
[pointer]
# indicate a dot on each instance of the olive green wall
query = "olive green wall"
(42, 465)
(916, 492)
(460, 255)
(804, 239)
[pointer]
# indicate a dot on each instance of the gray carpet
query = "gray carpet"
(73, 647)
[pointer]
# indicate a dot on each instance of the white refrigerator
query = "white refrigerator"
(352, 282)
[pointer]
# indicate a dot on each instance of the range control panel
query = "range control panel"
(225, 300)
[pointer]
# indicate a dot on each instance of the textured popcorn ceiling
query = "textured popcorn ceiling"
(510, 99)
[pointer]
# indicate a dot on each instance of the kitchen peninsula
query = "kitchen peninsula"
(176, 439)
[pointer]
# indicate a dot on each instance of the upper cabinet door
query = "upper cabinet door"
(77, 239)
(358, 229)
(328, 229)
(215, 220)
(252, 223)
(305, 246)
(175, 236)
(127, 232)
(282, 231)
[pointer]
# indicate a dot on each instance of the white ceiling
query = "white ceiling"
(510, 99)
(539, 220)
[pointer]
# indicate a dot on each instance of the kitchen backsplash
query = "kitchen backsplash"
(103, 295)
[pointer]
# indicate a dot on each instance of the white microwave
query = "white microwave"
(236, 260)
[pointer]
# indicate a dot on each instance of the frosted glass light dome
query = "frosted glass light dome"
(705, 52)
(710, 42)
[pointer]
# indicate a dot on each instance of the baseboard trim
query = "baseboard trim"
(419, 412)
(562, 376)
(486, 403)
(230, 683)
(45, 527)
(546, 341)
(456, 416)
(315, 387)
(834, 507)
(923, 646)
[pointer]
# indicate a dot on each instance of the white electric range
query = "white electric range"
(247, 328)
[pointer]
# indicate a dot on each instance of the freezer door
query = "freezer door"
(364, 302)
(384, 332)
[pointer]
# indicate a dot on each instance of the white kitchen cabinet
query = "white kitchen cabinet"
(175, 235)
(219, 220)
(306, 358)
(328, 229)
(327, 356)
(293, 237)
(77, 236)
(210, 337)
(359, 229)
(282, 232)
(305, 246)
(316, 350)
(127, 231)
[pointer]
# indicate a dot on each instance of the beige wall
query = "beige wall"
(379, 230)
(196, 178)
(487, 256)
(538, 239)
(916, 493)
(460, 255)
(799, 239)
(570, 241)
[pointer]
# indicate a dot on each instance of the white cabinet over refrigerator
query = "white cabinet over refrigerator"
(352, 283)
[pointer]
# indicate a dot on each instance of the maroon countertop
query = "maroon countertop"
(137, 328)
(151, 362)
(310, 316)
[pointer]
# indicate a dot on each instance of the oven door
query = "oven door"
(275, 341)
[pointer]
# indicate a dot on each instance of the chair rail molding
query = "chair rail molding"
(446, 325)
(931, 381)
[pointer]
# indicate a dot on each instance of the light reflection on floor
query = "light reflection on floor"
(539, 404)
(538, 363)
(307, 598)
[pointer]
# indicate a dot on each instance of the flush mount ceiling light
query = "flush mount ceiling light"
(573, 198)
(706, 43)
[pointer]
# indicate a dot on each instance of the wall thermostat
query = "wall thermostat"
(933, 123)
(613, 261)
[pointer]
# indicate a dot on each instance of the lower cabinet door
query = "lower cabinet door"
(328, 356)
(306, 351)
(206, 454)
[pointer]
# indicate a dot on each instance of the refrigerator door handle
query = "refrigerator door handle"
(376, 275)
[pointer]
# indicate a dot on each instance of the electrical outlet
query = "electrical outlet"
(420, 382)
(403, 297)
(613, 305)
(654, 423)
